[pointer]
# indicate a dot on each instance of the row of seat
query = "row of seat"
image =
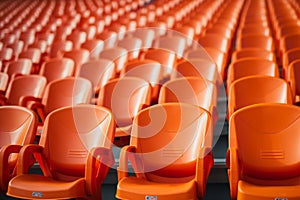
(261, 113)
(122, 87)
(196, 90)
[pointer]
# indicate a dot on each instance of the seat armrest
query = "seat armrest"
(38, 107)
(5, 170)
(205, 162)
(126, 153)
(25, 100)
(233, 171)
(99, 161)
(27, 157)
(3, 100)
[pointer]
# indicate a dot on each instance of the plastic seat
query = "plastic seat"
(174, 44)
(293, 78)
(23, 87)
(258, 89)
(146, 35)
(94, 46)
(57, 68)
(289, 42)
(125, 97)
(170, 152)
(79, 56)
(253, 53)
(118, 55)
(61, 93)
(3, 82)
(74, 154)
(288, 30)
(251, 66)
(6, 55)
(288, 57)
(263, 156)
(255, 41)
(34, 55)
(215, 41)
(148, 70)
(17, 128)
(197, 67)
(165, 57)
(17, 48)
(212, 54)
(58, 47)
(254, 29)
(77, 38)
(20, 66)
(28, 38)
(192, 90)
(185, 31)
(220, 30)
(109, 38)
(99, 72)
(132, 45)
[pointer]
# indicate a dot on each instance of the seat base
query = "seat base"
(30, 186)
(137, 188)
(257, 192)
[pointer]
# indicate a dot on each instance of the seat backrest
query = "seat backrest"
(288, 57)
(146, 35)
(66, 92)
(133, 45)
(253, 53)
(20, 66)
(293, 76)
(27, 85)
(60, 46)
(79, 56)
(6, 54)
(125, 97)
(211, 54)
(175, 44)
(3, 81)
(148, 70)
(251, 66)
(95, 46)
(290, 41)
(117, 54)
(33, 54)
(216, 41)
(17, 125)
(168, 137)
(57, 68)
(258, 89)
(99, 72)
(255, 41)
(193, 90)
(165, 57)
(266, 138)
(68, 137)
(197, 67)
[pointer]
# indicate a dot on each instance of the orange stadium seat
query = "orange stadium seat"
(262, 157)
(17, 128)
(258, 89)
(23, 87)
(57, 68)
(125, 97)
(170, 150)
(60, 93)
(251, 66)
(74, 154)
